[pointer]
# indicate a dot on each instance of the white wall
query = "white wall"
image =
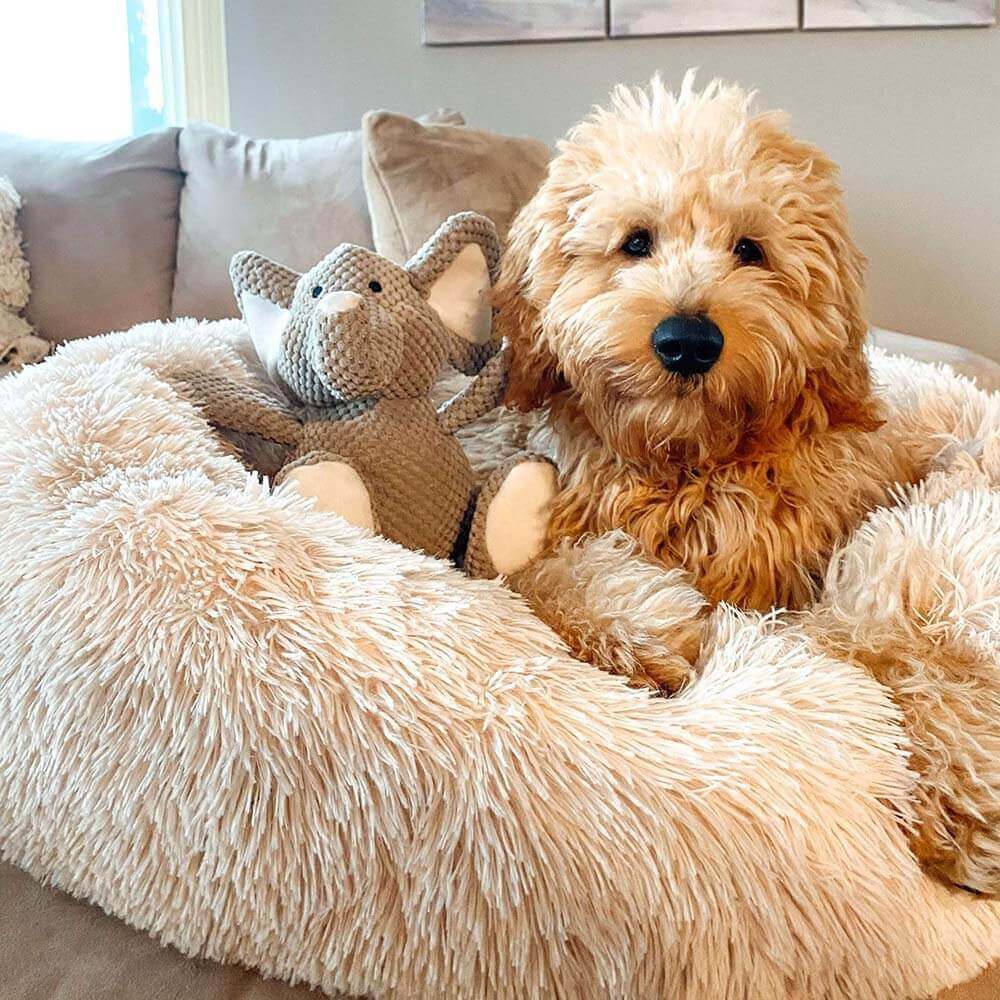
(912, 116)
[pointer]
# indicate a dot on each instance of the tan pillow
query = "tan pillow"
(416, 175)
(293, 200)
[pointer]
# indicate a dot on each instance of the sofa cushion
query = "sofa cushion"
(53, 947)
(291, 199)
(417, 174)
(983, 987)
(100, 229)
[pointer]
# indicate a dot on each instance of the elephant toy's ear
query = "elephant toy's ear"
(264, 291)
(455, 271)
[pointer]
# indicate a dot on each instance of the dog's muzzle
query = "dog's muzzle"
(687, 345)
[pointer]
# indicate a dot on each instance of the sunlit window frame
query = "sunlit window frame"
(189, 44)
(206, 71)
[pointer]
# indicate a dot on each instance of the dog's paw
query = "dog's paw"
(619, 611)
(664, 661)
(968, 855)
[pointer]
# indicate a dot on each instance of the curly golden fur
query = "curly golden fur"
(749, 475)
(747, 482)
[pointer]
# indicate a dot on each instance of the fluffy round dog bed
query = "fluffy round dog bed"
(269, 738)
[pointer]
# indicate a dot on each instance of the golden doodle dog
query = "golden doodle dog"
(684, 300)
(684, 295)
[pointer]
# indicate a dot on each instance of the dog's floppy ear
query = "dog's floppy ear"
(845, 389)
(845, 385)
(534, 374)
(264, 291)
(455, 271)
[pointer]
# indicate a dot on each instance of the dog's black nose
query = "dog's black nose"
(687, 345)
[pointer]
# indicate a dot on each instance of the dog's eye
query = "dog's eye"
(317, 291)
(747, 252)
(375, 286)
(638, 243)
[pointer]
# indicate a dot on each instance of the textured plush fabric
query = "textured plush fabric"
(292, 199)
(984, 371)
(53, 947)
(14, 286)
(417, 174)
(100, 230)
(914, 596)
(270, 738)
(18, 343)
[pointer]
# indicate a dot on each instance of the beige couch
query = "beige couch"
(142, 230)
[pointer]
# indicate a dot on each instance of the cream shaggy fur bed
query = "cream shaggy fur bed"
(269, 738)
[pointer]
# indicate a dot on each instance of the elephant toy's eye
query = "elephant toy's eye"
(375, 286)
(317, 291)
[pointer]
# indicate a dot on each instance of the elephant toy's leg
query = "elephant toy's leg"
(511, 517)
(334, 483)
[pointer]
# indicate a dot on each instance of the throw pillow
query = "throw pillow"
(18, 344)
(417, 174)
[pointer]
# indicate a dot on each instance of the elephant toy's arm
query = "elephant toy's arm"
(484, 393)
(240, 407)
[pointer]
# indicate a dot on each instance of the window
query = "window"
(102, 69)
(156, 69)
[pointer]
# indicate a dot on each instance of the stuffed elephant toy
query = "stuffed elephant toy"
(356, 344)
